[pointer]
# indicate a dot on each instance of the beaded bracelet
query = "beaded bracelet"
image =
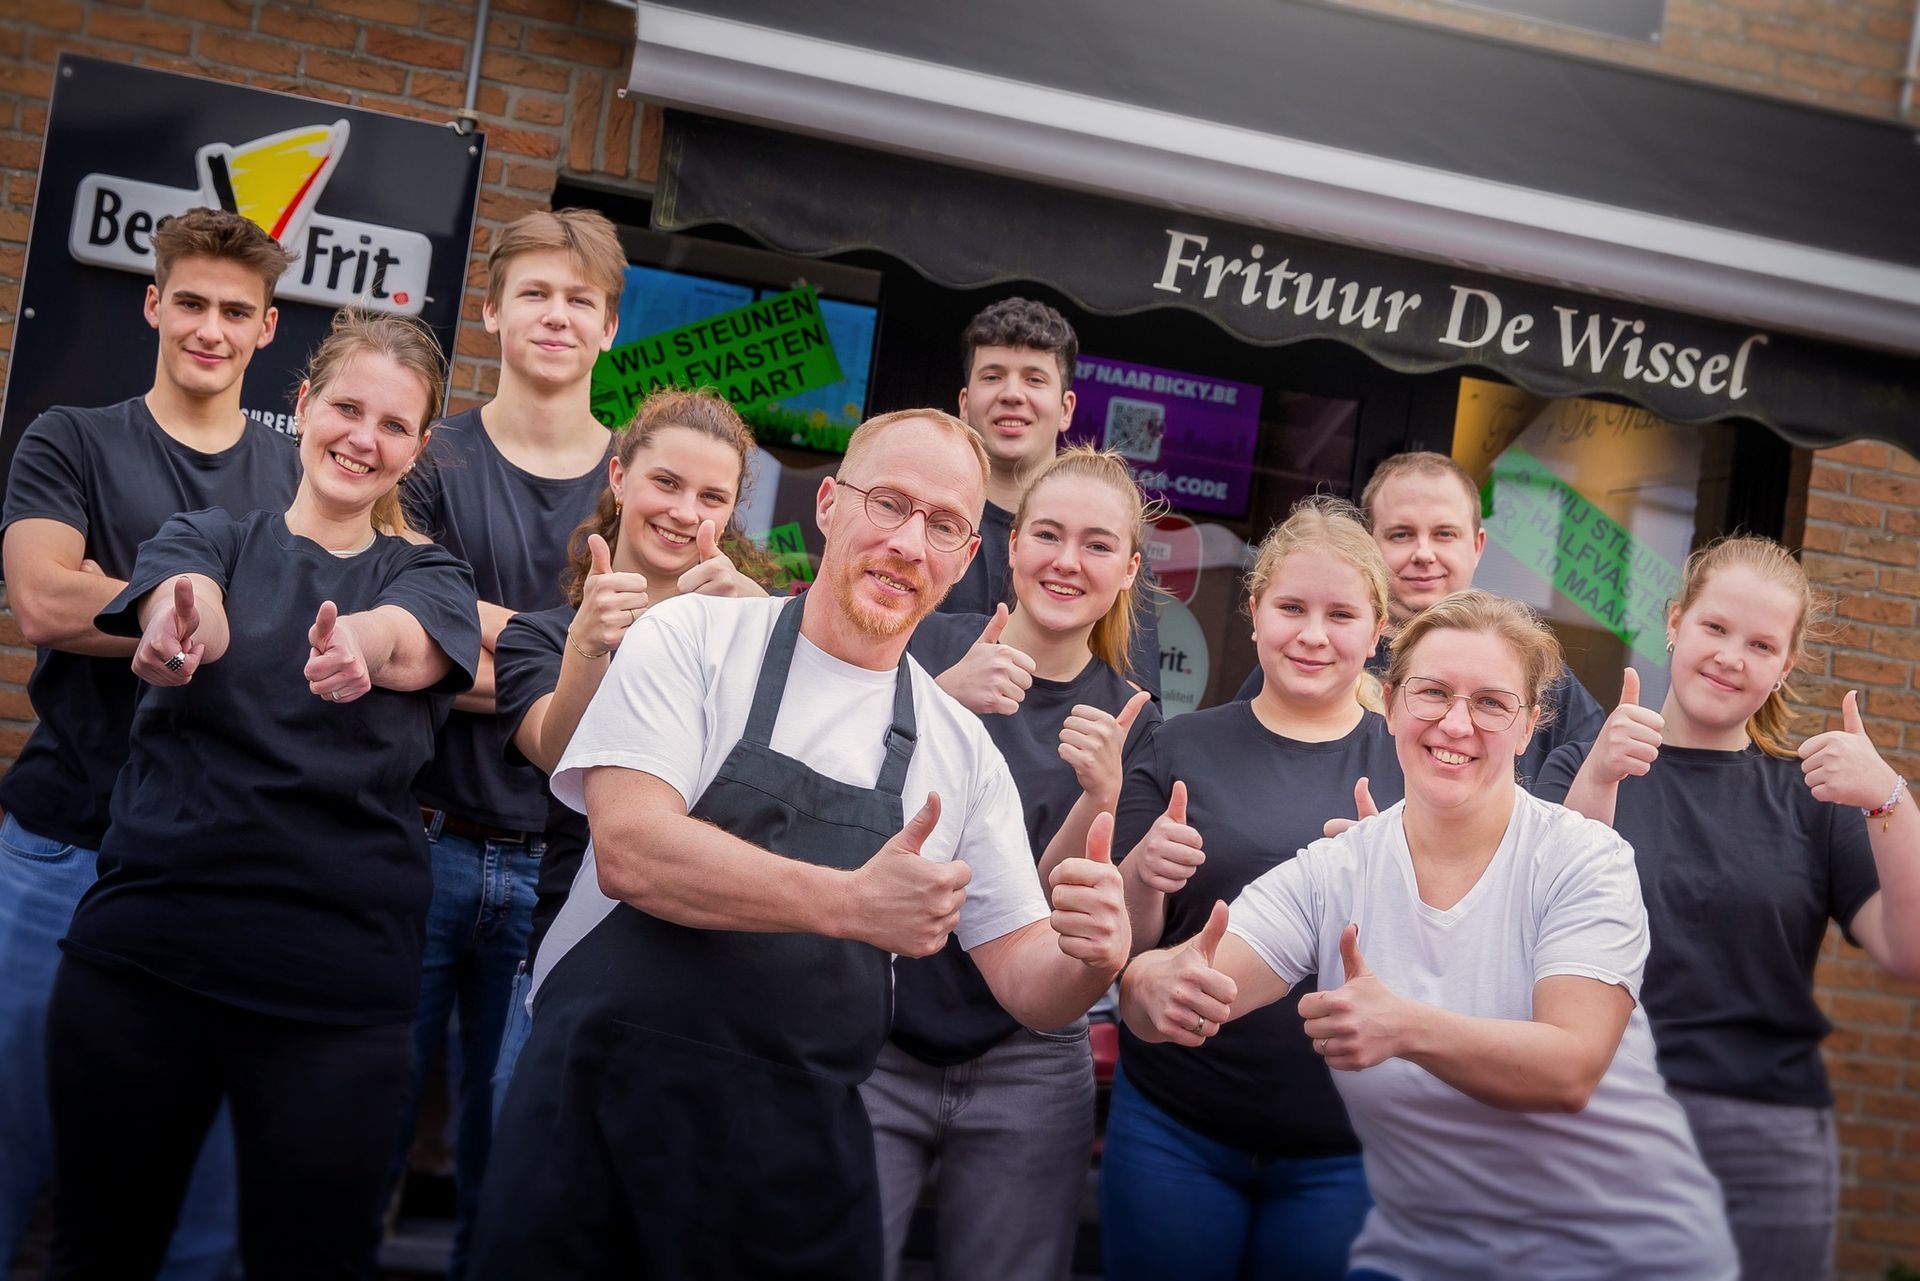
(1893, 799)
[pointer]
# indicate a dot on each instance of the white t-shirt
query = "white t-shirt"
(1461, 1189)
(675, 701)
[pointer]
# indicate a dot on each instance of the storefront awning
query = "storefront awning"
(966, 229)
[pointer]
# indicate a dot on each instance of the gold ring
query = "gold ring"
(1321, 1045)
(633, 616)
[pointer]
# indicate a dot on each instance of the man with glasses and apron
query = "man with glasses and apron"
(718, 984)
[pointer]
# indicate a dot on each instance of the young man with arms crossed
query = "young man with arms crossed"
(87, 487)
(503, 486)
(779, 799)
(1019, 357)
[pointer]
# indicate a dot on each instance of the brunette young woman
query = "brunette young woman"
(663, 527)
(1005, 1112)
(1488, 1042)
(1240, 1162)
(1746, 848)
(255, 933)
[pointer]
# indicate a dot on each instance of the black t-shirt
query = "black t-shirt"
(989, 582)
(1257, 799)
(526, 668)
(266, 849)
(1574, 716)
(1741, 869)
(943, 1011)
(116, 476)
(512, 528)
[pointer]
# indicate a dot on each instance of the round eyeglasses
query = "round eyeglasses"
(1491, 709)
(947, 531)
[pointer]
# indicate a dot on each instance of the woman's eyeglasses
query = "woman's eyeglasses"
(1491, 709)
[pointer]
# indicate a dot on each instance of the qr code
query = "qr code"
(1135, 428)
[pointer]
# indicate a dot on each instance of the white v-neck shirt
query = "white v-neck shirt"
(1461, 1189)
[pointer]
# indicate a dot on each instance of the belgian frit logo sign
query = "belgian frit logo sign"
(276, 181)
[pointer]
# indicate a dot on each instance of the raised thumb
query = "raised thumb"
(921, 825)
(706, 542)
(1207, 941)
(1630, 688)
(990, 634)
(182, 596)
(599, 556)
(1125, 719)
(1363, 804)
(1850, 713)
(1350, 958)
(1177, 802)
(323, 623)
(1100, 838)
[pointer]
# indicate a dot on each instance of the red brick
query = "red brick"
(530, 176)
(1878, 1010)
(1873, 1135)
(528, 73)
(583, 124)
(305, 88)
(647, 164)
(524, 142)
(1734, 56)
(15, 668)
(565, 11)
(1831, 478)
(395, 13)
(10, 633)
(1891, 1231)
(415, 49)
(248, 51)
(1818, 74)
(1868, 1072)
(1863, 51)
(1857, 453)
(1833, 571)
(1841, 511)
(308, 28)
(1784, 35)
(1868, 1200)
(1701, 16)
(611, 19)
(142, 29)
(619, 140)
(55, 15)
(19, 153)
(492, 171)
(500, 205)
(221, 13)
(571, 46)
(1873, 671)
(1893, 27)
(539, 109)
(355, 73)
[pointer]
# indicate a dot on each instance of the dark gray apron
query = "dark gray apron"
(687, 1104)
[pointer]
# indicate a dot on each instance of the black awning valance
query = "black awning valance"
(969, 229)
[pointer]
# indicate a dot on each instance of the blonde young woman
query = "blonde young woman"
(1746, 848)
(1240, 1162)
(1480, 956)
(255, 934)
(663, 527)
(1007, 1113)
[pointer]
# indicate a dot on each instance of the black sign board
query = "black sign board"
(968, 229)
(378, 208)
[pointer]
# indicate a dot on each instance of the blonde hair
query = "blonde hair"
(1422, 462)
(1769, 726)
(1324, 523)
(408, 343)
(868, 432)
(589, 239)
(1474, 610)
(710, 414)
(1112, 638)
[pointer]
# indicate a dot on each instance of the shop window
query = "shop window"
(1591, 510)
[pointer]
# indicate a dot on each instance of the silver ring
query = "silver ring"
(335, 696)
(1321, 1045)
(178, 661)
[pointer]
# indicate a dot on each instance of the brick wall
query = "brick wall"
(548, 103)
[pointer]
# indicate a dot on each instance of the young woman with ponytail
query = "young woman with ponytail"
(1239, 1161)
(1746, 847)
(1007, 1113)
(663, 527)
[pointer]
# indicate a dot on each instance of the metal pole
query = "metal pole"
(468, 116)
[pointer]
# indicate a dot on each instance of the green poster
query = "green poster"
(1591, 559)
(755, 356)
(788, 546)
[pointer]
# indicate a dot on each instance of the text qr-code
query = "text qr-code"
(1135, 428)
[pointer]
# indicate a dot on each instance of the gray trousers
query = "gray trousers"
(1010, 1135)
(1779, 1170)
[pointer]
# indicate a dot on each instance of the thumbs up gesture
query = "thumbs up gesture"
(1091, 741)
(1169, 854)
(610, 602)
(905, 903)
(713, 574)
(168, 654)
(1176, 995)
(337, 667)
(1357, 1024)
(1843, 766)
(992, 679)
(1363, 807)
(1089, 903)
(1629, 742)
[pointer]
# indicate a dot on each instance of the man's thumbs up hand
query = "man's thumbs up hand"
(905, 903)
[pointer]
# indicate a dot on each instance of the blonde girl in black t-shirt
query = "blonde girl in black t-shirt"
(1746, 847)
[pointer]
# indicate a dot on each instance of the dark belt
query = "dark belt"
(438, 821)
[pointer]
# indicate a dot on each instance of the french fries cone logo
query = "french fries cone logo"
(274, 181)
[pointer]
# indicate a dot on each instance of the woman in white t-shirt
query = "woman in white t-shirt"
(1489, 1043)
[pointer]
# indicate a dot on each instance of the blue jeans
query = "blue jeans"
(514, 1039)
(41, 882)
(1173, 1203)
(477, 930)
